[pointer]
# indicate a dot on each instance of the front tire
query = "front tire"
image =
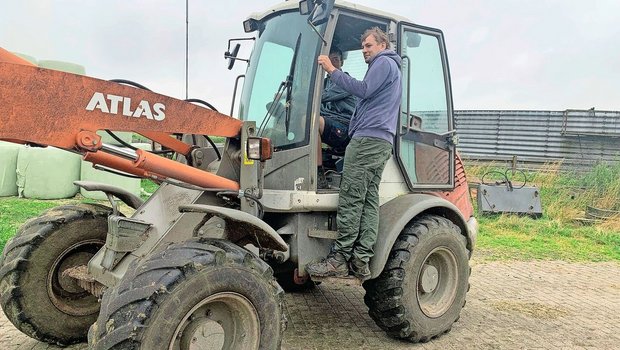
(34, 294)
(201, 293)
(421, 291)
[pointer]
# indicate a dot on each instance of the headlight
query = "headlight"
(259, 148)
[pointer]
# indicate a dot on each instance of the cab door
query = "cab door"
(426, 142)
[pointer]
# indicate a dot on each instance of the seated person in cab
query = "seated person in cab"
(337, 106)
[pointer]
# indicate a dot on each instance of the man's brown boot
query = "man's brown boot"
(334, 265)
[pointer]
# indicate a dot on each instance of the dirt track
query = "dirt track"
(515, 305)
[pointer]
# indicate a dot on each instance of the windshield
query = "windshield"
(270, 64)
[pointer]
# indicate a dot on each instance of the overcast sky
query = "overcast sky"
(504, 54)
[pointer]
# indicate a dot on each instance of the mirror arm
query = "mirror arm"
(238, 39)
(317, 32)
(236, 58)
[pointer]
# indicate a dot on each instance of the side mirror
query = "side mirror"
(305, 7)
(321, 11)
(231, 56)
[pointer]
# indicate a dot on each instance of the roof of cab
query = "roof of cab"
(293, 4)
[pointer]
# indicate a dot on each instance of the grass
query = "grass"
(523, 238)
(148, 187)
(557, 235)
(15, 211)
(554, 236)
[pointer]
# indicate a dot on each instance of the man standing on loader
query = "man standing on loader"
(372, 131)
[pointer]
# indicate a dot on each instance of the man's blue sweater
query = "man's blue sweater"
(376, 113)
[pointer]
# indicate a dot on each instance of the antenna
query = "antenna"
(186, 48)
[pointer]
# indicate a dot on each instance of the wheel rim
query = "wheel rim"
(224, 320)
(63, 291)
(437, 282)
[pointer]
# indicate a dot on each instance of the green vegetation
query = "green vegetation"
(555, 236)
(148, 188)
(558, 234)
(15, 211)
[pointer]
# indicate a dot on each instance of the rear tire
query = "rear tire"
(34, 295)
(421, 291)
(200, 293)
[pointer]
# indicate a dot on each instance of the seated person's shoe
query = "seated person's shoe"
(360, 269)
(334, 265)
(321, 180)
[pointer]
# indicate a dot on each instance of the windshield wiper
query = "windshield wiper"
(271, 108)
(289, 85)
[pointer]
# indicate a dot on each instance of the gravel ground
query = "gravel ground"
(511, 305)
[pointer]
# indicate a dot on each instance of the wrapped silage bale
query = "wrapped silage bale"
(8, 167)
(88, 173)
(47, 173)
(106, 138)
(62, 66)
(143, 145)
(26, 57)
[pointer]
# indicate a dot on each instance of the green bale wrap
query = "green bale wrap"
(143, 145)
(8, 167)
(26, 57)
(88, 173)
(63, 66)
(126, 136)
(47, 173)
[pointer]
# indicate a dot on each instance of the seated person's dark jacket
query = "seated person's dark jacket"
(337, 104)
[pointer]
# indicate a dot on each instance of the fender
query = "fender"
(126, 197)
(241, 227)
(397, 213)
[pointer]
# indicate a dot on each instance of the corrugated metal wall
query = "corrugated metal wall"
(577, 138)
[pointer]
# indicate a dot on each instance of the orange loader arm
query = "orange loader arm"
(53, 108)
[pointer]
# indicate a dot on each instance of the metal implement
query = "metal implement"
(502, 196)
(503, 199)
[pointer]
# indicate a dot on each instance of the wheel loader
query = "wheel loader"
(203, 262)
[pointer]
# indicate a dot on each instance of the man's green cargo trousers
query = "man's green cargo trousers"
(358, 206)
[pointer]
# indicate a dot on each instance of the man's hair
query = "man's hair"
(379, 35)
(336, 50)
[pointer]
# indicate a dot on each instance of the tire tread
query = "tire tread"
(15, 262)
(384, 294)
(166, 269)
